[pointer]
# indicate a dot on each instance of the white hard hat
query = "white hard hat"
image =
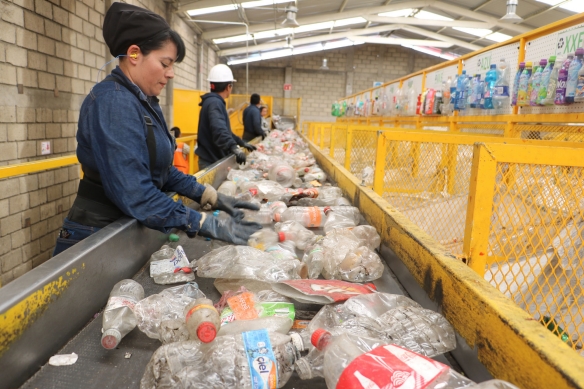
(221, 73)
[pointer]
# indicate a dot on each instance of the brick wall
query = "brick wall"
(50, 53)
(320, 88)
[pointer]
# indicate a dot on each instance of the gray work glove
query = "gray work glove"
(239, 155)
(228, 229)
(225, 203)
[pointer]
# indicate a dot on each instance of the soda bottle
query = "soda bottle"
(516, 83)
(522, 93)
(545, 80)
(118, 315)
(562, 81)
(550, 96)
(307, 216)
(536, 82)
(573, 71)
(501, 93)
(202, 320)
(490, 81)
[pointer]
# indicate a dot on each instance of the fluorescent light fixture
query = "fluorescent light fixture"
(346, 22)
(402, 13)
(232, 39)
(574, 5)
(314, 27)
(498, 37)
(432, 51)
(257, 35)
(262, 3)
(276, 54)
(212, 10)
(431, 16)
(481, 32)
(244, 60)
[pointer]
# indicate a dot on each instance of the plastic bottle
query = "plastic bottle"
(335, 220)
(228, 188)
(468, 86)
(516, 83)
(280, 324)
(562, 81)
(461, 84)
(307, 216)
(412, 102)
(296, 233)
(545, 81)
(438, 103)
(352, 213)
(549, 98)
(475, 95)
(231, 361)
(454, 93)
(265, 238)
(579, 97)
(202, 320)
(263, 216)
(481, 103)
(277, 206)
(446, 96)
(573, 71)
(490, 81)
(536, 82)
(522, 94)
(283, 174)
(118, 315)
(501, 97)
(535, 70)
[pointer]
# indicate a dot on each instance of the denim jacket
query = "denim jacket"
(112, 141)
(252, 123)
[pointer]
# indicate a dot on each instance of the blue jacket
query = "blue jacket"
(215, 138)
(252, 123)
(112, 141)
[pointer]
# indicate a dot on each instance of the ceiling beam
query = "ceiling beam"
(307, 41)
(433, 35)
(343, 5)
(316, 19)
(399, 41)
(426, 22)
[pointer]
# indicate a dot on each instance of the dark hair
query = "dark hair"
(219, 87)
(262, 108)
(255, 99)
(176, 131)
(158, 40)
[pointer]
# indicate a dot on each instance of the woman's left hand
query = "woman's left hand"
(225, 203)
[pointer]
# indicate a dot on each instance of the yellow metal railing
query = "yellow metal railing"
(36, 166)
(191, 140)
(518, 214)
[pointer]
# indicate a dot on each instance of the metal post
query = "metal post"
(348, 149)
(380, 157)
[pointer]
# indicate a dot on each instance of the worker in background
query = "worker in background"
(252, 119)
(126, 150)
(215, 140)
(265, 122)
(181, 153)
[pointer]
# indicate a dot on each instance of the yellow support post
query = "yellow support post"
(299, 105)
(332, 146)
(348, 148)
(192, 157)
(322, 137)
(479, 210)
(380, 155)
(415, 153)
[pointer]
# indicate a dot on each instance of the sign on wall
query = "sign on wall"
(287, 86)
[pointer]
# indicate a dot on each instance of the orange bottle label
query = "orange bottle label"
(314, 217)
(243, 306)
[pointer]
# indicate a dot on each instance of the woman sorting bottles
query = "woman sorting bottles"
(125, 149)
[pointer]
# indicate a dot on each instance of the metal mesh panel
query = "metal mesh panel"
(429, 183)
(363, 150)
(326, 134)
(285, 107)
(536, 247)
(339, 143)
(551, 132)
(497, 129)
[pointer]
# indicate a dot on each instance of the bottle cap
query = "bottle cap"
(110, 339)
(302, 367)
(371, 285)
(277, 217)
(297, 341)
(553, 58)
(529, 64)
(216, 213)
(173, 237)
(522, 65)
(317, 335)
(253, 191)
(543, 62)
(281, 236)
(580, 51)
(493, 66)
(206, 332)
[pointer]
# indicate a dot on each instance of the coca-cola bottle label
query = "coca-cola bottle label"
(390, 367)
(260, 357)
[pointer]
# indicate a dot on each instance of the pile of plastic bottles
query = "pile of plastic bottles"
(252, 337)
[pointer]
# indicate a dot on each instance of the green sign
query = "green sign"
(484, 62)
(438, 78)
(569, 41)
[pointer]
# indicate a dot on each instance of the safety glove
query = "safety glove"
(249, 147)
(239, 155)
(227, 228)
(225, 203)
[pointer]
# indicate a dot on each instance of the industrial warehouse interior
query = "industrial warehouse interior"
(292, 194)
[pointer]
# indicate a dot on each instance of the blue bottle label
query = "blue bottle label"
(502, 91)
(261, 360)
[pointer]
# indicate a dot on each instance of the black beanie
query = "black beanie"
(125, 25)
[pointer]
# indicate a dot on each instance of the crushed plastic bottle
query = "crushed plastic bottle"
(283, 174)
(263, 216)
(170, 269)
(231, 361)
(337, 220)
(118, 315)
(296, 233)
(265, 238)
(202, 320)
(314, 259)
(160, 316)
(307, 216)
(228, 188)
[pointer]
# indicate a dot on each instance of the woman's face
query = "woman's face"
(264, 112)
(152, 72)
